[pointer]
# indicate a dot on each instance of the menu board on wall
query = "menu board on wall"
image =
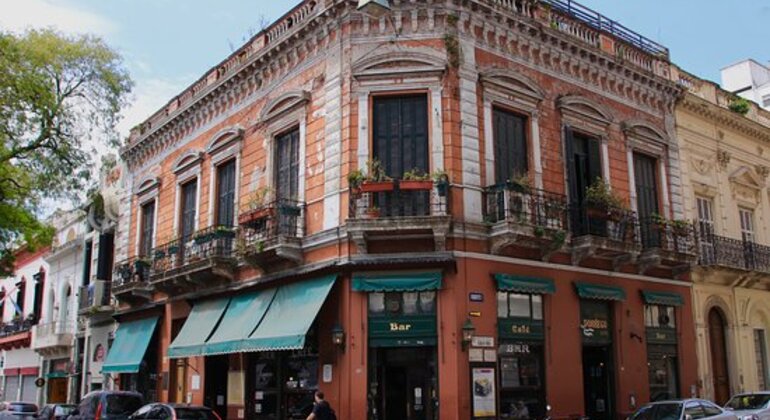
(483, 387)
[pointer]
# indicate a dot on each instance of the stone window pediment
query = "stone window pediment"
(390, 64)
(147, 184)
(510, 84)
(283, 104)
(187, 161)
(746, 185)
(646, 137)
(584, 113)
(224, 138)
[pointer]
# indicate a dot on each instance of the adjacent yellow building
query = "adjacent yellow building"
(725, 151)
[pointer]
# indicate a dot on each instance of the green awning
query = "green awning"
(525, 284)
(241, 319)
(290, 316)
(405, 282)
(131, 341)
(597, 291)
(198, 327)
(53, 375)
(662, 298)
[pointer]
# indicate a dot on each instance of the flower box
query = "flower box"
(415, 185)
(377, 186)
(254, 215)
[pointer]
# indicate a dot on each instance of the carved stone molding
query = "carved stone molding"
(723, 158)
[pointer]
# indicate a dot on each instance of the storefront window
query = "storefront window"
(402, 303)
(662, 364)
(517, 305)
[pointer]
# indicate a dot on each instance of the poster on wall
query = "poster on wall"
(484, 404)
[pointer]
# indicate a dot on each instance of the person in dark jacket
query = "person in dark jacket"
(321, 409)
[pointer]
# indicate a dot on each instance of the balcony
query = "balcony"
(95, 299)
(131, 281)
(52, 338)
(204, 260)
(16, 333)
(270, 236)
(414, 212)
(736, 255)
(525, 222)
(606, 234)
(666, 245)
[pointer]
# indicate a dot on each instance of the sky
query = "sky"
(168, 44)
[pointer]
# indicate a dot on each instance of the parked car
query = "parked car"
(18, 411)
(689, 409)
(55, 412)
(107, 405)
(161, 411)
(750, 406)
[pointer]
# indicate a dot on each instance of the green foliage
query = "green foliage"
(415, 175)
(453, 50)
(739, 105)
(376, 171)
(355, 178)
(60, 96)
(599, 195)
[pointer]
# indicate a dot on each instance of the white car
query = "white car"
(750, 406)
(690, 409)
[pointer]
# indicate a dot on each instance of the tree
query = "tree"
(60, 98)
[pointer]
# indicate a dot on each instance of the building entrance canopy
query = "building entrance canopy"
(267, 320)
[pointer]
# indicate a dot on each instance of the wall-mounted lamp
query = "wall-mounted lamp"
(374, 8)
(338, 337)
(468, 332)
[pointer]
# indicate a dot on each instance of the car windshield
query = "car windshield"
(22, 408)
(123, 404)
(665, 411)
(194, 414)
(748, 402)
(63, 410)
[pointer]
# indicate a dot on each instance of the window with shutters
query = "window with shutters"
(287, 166)
(747, 224)
(646, 181)
(188, 210)
(510, 145)
(705, 217)
(225, 215)
(21, 296)
(584, 167)
(400, 144)
(147, 229)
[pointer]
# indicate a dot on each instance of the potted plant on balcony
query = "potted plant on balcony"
(203, 237)
(258, 207)
(141, 264)
(520, 183)
(376, 180)
(441, 179)
(373, 212)
(222, 231)
(356, 177)
(681, 227)
(173, 247)
(159, 254)
(658, 221)
(415, 180)
(602, 203)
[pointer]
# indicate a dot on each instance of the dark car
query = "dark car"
(162, 411)
(55, 412)
(107, 405)
(18, 411)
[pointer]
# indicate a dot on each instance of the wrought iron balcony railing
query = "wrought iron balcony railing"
(16, 326)
(733, 253)
(264, 226)
(131, 271)
(531, 207)
(667, 235)
(399, 199)
(212, 242)
(616, 224)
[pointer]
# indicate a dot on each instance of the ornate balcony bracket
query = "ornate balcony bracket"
(364, 231)
(589, 246)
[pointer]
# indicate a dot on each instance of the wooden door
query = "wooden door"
(57, 390)
(717, 345)
(180, 373)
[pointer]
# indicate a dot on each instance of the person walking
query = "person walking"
(321, 409)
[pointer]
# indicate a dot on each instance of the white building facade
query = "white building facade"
(750, 80)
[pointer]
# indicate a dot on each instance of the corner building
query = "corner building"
(250, 271)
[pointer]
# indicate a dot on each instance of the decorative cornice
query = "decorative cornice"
(724, 117)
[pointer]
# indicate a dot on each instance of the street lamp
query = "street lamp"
(374, 8)
(338, 337)
(468, 331)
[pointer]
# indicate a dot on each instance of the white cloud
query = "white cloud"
(18, 15)
(149, 96)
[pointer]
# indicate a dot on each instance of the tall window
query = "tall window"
(510, 143)
(400, 144)
(189, 210)
(747, 224)
(87, 261)
(226, 194)
(705, 216)
(662, 356)
(584, 167)
(760, 351)
(2, 305)
(39, 279)
(147, 228)
(20, 296)
(645, 177)
(287, 169)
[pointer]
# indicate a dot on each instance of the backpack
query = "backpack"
(332, 414)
